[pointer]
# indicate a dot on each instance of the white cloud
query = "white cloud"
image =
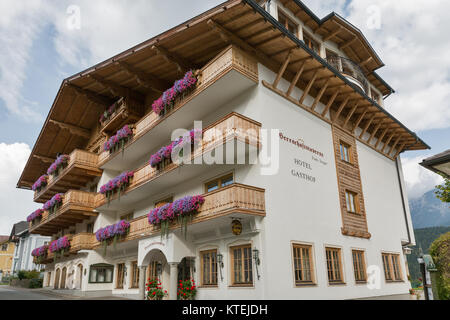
(16, 204)
(418, 179)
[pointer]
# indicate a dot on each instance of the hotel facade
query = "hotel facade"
(295, 189)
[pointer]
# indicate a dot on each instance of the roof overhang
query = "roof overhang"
(439, 163)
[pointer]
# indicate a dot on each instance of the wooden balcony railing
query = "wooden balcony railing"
(230, 59)
(234, 126)
(127, 112)
(81, 168)
(233, 199)
(76, 207)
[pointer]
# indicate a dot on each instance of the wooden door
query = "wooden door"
(63, 278)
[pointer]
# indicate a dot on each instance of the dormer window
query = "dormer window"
(311, 43)
(287, 23)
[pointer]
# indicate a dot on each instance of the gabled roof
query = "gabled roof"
(18, 229)
(4, 239)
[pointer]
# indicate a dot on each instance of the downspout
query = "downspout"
(403, 201)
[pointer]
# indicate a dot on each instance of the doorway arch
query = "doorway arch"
(63, 278)
(79, 278)
(57, 276)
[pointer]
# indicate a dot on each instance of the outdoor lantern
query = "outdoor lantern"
(257, 261)
(220, 263)
(159, 268)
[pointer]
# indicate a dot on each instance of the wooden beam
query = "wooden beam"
(359, 121)
(319, 96)
(295, 80)
(78, 131)
(367, 125)
(388, 141)
(381, 138)
(44, 159)
(330, 102)
(144, 78)
(374, 132)
(115, 89)
(341, 108)
(267, 41)
(350, 114)
(308, 87)
(345, 45)
(283, 69)
(94, 97)
(259, 33)
(362, 64)
(182, 64)
(399, 150)
(395, 144)
(332, 34)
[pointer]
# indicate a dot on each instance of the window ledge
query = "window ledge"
(337, 283)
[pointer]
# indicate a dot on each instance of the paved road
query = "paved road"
(9, 293)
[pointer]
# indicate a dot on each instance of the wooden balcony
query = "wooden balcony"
(82, 168)
(127, 112)
(237, 131)
(226, 76)
(76, 207)
(237, 199)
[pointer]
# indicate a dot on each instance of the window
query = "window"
(134, 275)
(345, 150)
(152, 270)
(5, 247)
(334, 265)
(101, 273)
(303, 266)
(241, 265)
(120, 275)
(287, 23)
(221, 182)
(312, 44)
(352, 201)
(209, 268)
(391, 267)
(127, 217)
(90, 228)
(359, 266)
(163, 202)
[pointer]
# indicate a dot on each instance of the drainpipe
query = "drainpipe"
(403, 201)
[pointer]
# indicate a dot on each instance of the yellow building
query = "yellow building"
(6, 255)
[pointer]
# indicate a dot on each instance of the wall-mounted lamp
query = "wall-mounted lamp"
(257, 261)
(159, 269)
(220, 263)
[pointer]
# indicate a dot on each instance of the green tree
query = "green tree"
(440, 252)
(443, 191)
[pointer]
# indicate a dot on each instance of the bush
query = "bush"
(21, 274)
(36, 283)
(439, 252)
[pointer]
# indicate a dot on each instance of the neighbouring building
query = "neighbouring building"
(6, 256)
(25, 243)
(295, 190)
(439, 163)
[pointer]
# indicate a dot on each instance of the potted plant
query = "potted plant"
(118, 184)
(112, 233)
(118, 140)
(155, 290)
(187, 290)
(54, 203)
(59, 165)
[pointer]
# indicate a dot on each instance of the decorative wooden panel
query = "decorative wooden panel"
(349, 179)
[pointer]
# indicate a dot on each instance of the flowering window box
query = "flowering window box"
(40, 253)
(118, 184)
(40, 183)
(112, 233)
(54, 203)
(36, 215)
(119, 140)
(59, 165)
(60, 246)
(182, 209)
(179, 90)
(110, 112)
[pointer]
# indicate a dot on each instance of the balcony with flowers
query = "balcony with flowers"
(233, 132)
(62, 211)
(194, 213)
(191, 98)
(67, 172)
(122, 112)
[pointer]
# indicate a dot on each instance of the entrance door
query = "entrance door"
(63, 278)
(57, 275)
(120, 275)
(185, 269)
(80, 276)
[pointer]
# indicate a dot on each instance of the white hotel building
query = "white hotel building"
(329, 220)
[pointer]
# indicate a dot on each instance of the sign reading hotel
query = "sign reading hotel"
(303, 168)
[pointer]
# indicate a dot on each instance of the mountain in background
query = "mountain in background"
(429, 211)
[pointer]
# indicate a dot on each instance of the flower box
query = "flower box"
(182, 209)
(59, 165)
(119, 140)
(118, 184)
(40, 183)
(59, 247)
(110, 112)
(54, 203)
(112, 233)
(40, 253)
(155, 290)
(179, 90)
(35, 215)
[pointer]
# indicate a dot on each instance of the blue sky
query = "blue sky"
(37, 51)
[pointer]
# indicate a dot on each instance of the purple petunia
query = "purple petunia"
(36, 214)
(122, 135)
(39, 252)
(180, 207)
(107, 114)
(61, 161)
(118, 229)
(168, 97)
(60, 244)
(117, 182)
(53, 202)
(41, 182)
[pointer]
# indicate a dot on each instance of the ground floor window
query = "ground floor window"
(241, 265)
(152, 272)
(359, 266)
(134, 275)
(101, 273)
(303, 265)
(334, 265)
(209, 268)
(120, 275)
(391, 267)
